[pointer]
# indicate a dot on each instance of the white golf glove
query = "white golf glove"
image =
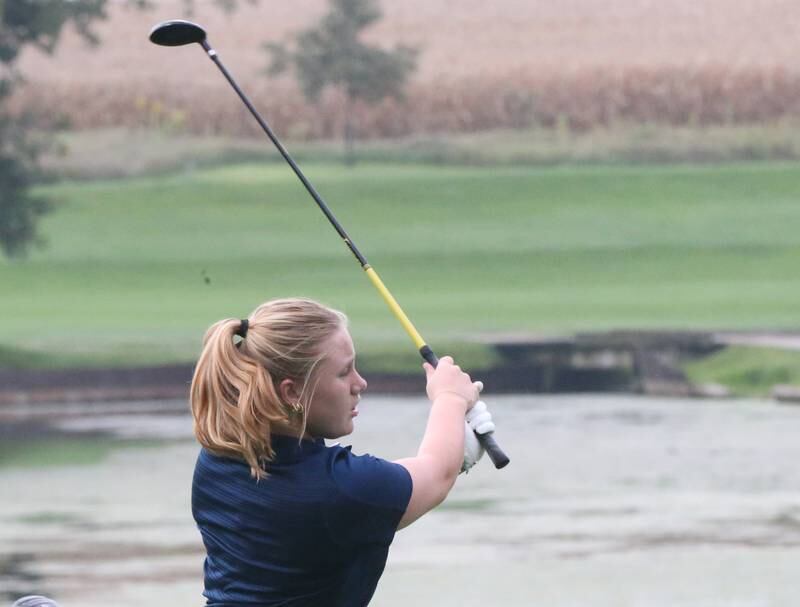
(478, 420)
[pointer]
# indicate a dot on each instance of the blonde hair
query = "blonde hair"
(235, 396)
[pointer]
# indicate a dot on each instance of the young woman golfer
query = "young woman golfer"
(285, 519)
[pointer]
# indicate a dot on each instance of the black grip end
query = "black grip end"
(493, 450)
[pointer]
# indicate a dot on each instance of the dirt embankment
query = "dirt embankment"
(620, 361)
(172, 382)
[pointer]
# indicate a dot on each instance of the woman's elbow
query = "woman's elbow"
(432, 481)
(445, 480)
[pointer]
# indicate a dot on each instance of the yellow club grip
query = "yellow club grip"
(394, 307)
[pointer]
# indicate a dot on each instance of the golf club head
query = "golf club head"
(177, 32)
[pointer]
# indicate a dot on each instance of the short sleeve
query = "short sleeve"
(373, 495)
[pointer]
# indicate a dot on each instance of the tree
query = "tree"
(331, 54)
(19, 210)
(36, 23)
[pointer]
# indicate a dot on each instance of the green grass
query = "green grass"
(136, 269)
(747, 371)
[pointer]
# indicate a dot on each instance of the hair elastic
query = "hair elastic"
(242, 330)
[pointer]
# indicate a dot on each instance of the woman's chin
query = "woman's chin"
(348, 429)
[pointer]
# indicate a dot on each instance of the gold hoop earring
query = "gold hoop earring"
(296, 408)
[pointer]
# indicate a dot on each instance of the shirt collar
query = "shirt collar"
(291, 448)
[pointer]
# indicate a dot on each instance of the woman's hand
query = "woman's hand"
(448, 378)
(479, 421)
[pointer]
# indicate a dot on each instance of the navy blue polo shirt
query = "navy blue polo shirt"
(316, 531)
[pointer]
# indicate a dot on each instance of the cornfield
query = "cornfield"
(512, 64)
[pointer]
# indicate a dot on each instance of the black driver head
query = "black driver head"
(177, 32)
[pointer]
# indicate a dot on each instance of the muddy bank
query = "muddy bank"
(171, 382)
(642, 362)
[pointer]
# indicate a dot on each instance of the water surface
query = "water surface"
(610, 501)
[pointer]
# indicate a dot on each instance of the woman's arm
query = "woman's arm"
(438, 461)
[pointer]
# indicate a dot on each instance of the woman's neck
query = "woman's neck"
(295, 430)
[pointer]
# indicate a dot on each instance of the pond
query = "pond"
(609, 501)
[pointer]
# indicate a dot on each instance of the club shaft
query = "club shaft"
(499, 459)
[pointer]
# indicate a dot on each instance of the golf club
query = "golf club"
(178, 32)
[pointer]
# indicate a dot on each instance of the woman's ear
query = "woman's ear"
(288, 391)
